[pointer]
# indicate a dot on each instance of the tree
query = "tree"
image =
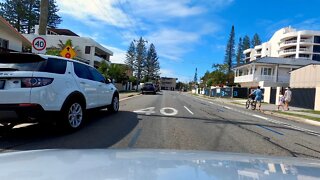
(230, 52)
(14, 12)
(140, 58)
(117, 72)
(103, 69)
(239, 56)
(246, 42)
(23, 15)
(131, 56)
(255, 40)
(195, 79)
(152, 66)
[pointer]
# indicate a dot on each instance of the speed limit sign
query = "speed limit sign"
(39, 45)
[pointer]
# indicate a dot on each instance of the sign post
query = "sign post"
(39, 45)
(68, 52)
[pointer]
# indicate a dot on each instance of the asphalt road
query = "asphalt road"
(173, 120)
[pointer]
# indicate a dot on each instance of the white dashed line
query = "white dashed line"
(226, 107)
(188, 110)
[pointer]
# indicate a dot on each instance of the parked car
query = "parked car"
(40, 85)
(148, 88)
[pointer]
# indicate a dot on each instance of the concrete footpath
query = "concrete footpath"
(123, 95)
(296, 114)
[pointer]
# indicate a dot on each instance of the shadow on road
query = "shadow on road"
(100, 131)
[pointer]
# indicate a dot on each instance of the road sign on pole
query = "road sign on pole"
(39, 45)
(68, 52)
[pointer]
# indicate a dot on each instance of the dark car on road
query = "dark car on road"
(148, 88)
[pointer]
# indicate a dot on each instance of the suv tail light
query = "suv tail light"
(35, 82)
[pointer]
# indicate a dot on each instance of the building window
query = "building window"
(317, 39)
(316, 57)
(4, 43)
(266, 71)
(316, 48)
(304, 55)
(87, 50)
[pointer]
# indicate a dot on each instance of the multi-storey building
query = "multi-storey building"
(288, 43)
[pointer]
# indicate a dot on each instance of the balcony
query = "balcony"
(284, 44)
(246, 78)
(306, 41)
(257, 78)
(287, 52)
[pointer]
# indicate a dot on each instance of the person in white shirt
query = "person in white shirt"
(281, 101)
(287, 98)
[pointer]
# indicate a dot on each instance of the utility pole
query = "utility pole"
(43, 20)
(139, 68)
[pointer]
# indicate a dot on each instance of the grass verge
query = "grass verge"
(298, 115)
(310, 111)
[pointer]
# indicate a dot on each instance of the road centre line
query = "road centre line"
(188, 110)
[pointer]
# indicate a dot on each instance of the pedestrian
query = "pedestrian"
(281, 101)
(287, 98)
(258, 96)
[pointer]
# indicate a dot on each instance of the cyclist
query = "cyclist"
(258, 96)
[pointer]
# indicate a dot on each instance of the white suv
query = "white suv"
(34, 85)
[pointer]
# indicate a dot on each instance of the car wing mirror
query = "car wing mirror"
(108, 81)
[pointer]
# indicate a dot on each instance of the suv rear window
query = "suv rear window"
(27, 63)
(52, 65)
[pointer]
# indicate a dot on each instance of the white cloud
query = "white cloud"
(119, 55)
(95, 10)
(171, 43)
(165, 9)
(148, 17)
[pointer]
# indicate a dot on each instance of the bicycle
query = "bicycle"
(251, 102)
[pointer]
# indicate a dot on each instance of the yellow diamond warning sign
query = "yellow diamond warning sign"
(68, 52)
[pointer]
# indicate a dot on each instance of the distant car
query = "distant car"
(148, 88)
(33, 84)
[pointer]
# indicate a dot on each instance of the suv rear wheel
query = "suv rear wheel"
(73, 115)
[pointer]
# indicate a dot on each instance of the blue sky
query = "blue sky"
(187, 33)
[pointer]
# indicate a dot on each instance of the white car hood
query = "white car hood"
(151, 164)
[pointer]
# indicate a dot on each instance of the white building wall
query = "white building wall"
(272, 47)
(14, 42)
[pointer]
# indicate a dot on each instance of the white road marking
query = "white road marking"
(188, 110)
(163, 111)
(146, 111)
(211, 102)
(129, 98)
(227, 107)
(270, 120)
(261, 117)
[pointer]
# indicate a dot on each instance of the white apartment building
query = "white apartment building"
(88, 50)
(288, 43)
